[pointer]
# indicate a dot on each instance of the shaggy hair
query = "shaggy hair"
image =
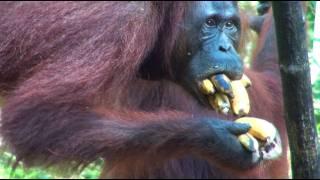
(71, 73)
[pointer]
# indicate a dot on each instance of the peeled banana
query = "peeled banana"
(260, 128)
(240, 102)
(206, 87)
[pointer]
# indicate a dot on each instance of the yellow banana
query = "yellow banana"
(246, 81)
(222, 84)
(260, 128)
(235, 90)
(249, 142)
(206, 87)
(240, 102)
(220, 102)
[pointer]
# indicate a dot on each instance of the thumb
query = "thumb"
(239, 128)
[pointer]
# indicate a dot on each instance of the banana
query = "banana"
(269, 142)
(235, 91)
(220, 102)
(222, 84)
(249, 142)
(260, 128)
(240, 102)
(206, 87)
(246, 81)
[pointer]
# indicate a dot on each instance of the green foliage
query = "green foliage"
(6, 171)
(310, 15)
(316, 99)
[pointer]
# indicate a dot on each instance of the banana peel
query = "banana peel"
(260, 128)
(219, 86)
(240, 102)
(206, 87)
(220, 103)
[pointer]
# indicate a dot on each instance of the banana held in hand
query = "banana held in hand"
(220, 102)
(270, 146)
(249, 142)
(222, 84)
(240, 102)
(260, 128)
(206, 87)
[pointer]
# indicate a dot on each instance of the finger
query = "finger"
(239, 128)
(222, 84)
(249, 142)
(234, 149)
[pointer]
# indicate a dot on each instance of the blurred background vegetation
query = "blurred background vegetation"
(93, 170)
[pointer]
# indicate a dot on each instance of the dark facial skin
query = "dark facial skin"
(210, 38)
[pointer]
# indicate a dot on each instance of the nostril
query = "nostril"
(224, 48)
